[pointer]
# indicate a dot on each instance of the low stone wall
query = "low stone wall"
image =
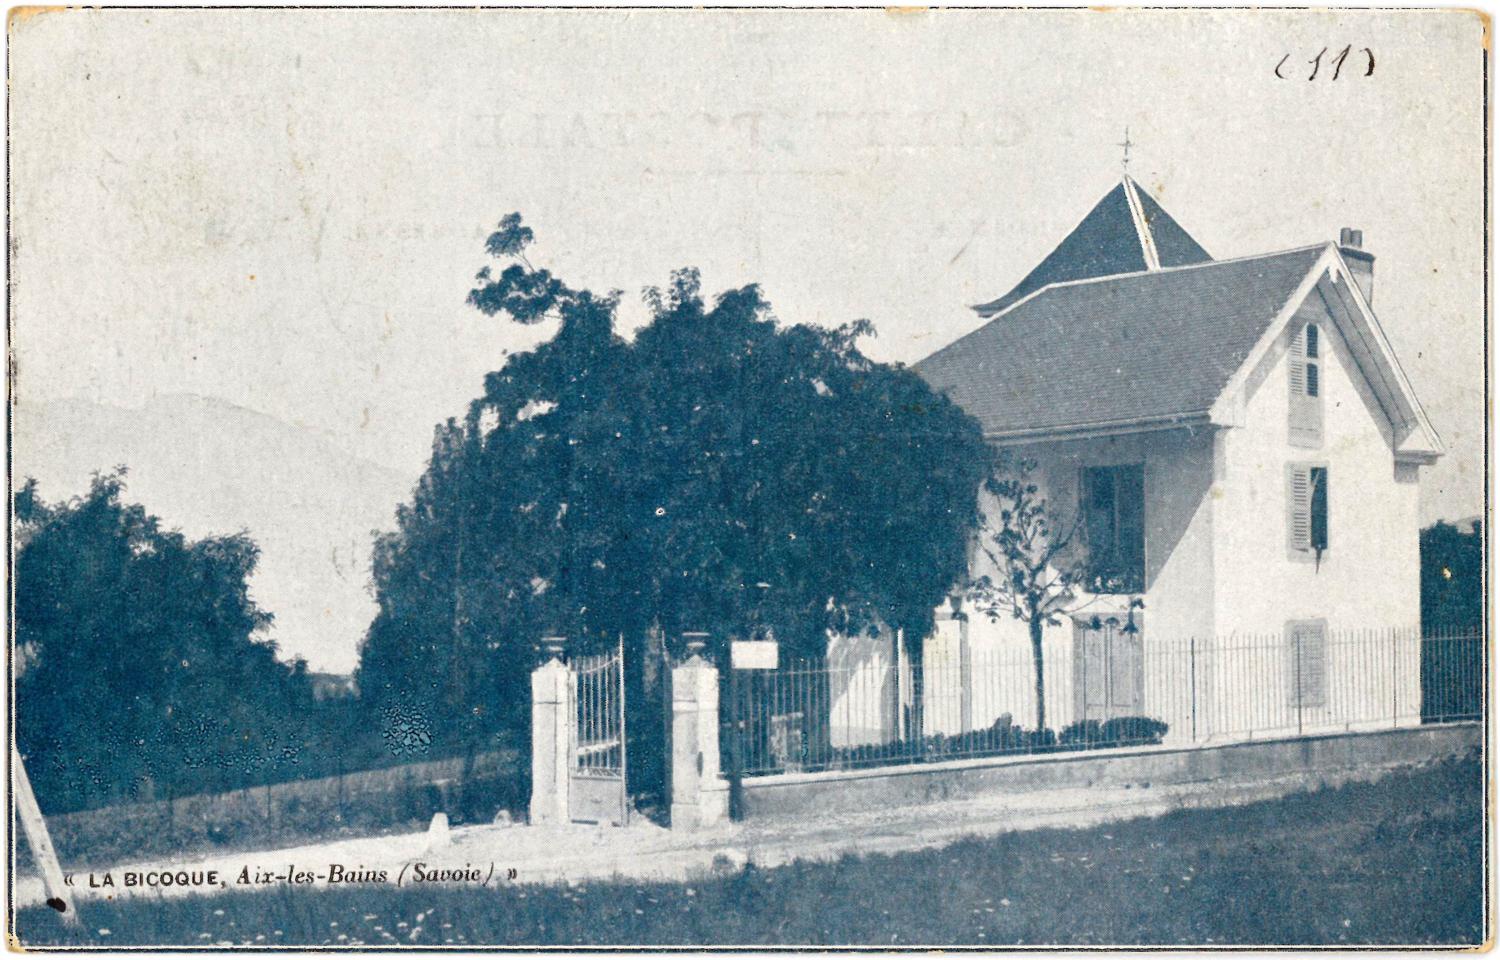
(1317, 757)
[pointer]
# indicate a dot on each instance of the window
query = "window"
(1307, 664)
(1114, 510)
(1304, 375)
(1307, 510)
(1318, 519)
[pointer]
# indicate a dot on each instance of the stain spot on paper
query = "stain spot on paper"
(20, 15)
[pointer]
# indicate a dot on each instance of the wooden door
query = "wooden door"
(1108, 668)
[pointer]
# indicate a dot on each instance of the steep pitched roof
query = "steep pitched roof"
(1156, 345)
(1127, 231)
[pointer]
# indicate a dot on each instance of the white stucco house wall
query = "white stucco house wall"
(1243, 450)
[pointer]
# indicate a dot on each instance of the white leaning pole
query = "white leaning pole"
(39, 841)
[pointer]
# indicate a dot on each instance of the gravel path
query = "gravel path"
(645, 851)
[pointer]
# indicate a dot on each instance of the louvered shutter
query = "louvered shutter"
(1305, 413)
(1307, 664)
(1299, 507)
(1315, 665)
(1090, 671)
(1297, 365)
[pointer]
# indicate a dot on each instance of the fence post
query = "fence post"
(40, 842)
(1395, 681)
(736, 745)
(553, 718)
(664, 702)
(1193, 682)
(699, 796)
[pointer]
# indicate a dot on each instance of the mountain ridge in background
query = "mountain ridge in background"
(210, 467)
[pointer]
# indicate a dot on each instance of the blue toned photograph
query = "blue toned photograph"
(748, 479)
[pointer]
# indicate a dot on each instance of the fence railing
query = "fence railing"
(880, 707)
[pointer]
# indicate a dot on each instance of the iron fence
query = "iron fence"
(958, 700)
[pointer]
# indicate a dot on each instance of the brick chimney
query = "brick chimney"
(1361, 262)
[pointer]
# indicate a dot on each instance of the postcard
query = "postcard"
(748, 478)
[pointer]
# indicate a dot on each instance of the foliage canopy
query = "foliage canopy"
(140, 659)
(720, 472)
(1452, 576)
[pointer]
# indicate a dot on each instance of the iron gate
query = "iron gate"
(596, 791)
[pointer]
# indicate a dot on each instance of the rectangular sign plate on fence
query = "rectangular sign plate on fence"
(753, 654)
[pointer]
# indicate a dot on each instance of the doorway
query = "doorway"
(1108, 667)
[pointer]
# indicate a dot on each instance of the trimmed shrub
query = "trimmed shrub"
(1115, 732)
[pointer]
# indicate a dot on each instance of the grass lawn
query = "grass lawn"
(1399, 861)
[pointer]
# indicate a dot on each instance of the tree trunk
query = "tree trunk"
(465, 801)
(648, 715)
(918, 700)
(458, 664)
(1041, 684)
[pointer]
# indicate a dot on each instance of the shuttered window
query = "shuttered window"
(1114, 514)
(1305, 379)
(1307, 663)
(1307, 509)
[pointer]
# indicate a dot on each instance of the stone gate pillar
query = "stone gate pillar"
(552, 728)
(700, 796)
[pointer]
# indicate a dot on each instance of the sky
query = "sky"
(284, 210)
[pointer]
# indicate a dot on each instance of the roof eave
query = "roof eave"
(1419, 420)
(1100, 428)
(1421, 458)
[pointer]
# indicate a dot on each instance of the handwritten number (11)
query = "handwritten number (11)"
(1338, 63)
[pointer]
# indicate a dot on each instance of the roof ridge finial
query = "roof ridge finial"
(1126, 144)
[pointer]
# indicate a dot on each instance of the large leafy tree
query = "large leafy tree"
(1452, 577)
(142, 658)
(721, 472)
(1452, 587)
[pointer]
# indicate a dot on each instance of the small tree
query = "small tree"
(1036, 573)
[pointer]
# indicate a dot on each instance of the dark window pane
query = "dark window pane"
(1099, 513)
(1102, 489)
(1312, 340)
(1312, 379)
(1114, 522)
(1130, 502)
(1319, 508)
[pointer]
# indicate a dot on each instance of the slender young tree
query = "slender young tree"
(1036, 570)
